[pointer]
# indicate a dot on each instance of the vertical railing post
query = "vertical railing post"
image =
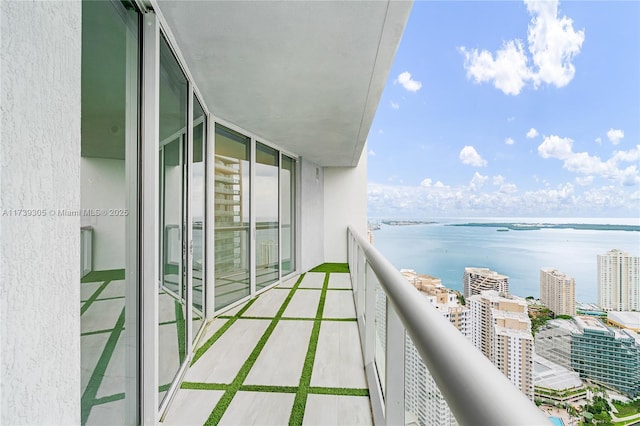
(394, 393)
(369, 315)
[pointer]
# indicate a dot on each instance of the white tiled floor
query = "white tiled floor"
(192, 407)
(259, 408)
(323, 410)
(221, 362)
(338, 360)
(282, 358)
(339, 304)
(304, 304)
(340, 280)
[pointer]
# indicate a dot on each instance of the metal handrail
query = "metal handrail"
(475, 390)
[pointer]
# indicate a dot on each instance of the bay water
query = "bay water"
(444, 251)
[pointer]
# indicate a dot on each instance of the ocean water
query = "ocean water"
(444, 251)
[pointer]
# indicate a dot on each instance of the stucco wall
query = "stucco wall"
(40, 169)
(345, 204)
(311, 215)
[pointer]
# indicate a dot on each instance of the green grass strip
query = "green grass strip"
(91, 333)
(181, 331)
(202, 349)
(204, 386)
(338, 391)
(106, 275)
(331, 267)
(300, 402)
(269, 388)
(236, 384)
(301, 319)
(110, 398)
(89, 395)
(93, 297)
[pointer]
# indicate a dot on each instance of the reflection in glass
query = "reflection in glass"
(172, 297)
(287, 200)
(267, 218)
(197, 212)
(110, 81)
(231, 199)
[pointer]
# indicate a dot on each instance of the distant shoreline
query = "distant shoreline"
(538, 226)
(407, 222)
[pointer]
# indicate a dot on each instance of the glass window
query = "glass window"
(288, 211)
(198, 212)
(267, 217)
(173, 286)
(231, 200)
(108, 234)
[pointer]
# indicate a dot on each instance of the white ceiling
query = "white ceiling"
(305, 75)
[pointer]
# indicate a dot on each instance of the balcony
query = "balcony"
(327, 347)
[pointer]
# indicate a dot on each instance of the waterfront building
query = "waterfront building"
(556, 384)
(423, 399)
(501, 329)
(607, 356)
(557, 291)
(619, 281)
(476, 280)
(553, 341)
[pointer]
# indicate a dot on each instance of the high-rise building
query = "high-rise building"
(619, 281)
(501, 329)
(606, 355)
(476, 280)
(422, 396)
(557, 291)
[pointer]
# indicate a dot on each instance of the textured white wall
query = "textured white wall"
(345, 204)
(311, 215)
(40, 169)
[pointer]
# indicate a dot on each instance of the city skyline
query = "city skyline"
(510, 109)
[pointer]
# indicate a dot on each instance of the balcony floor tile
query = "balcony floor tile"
(322, 410)
(340, 280)
(279, 348)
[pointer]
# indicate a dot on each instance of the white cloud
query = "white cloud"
(426, 182)
(510, 119)
(615, 135)
(599, 141)
(469, 156)
(408, 83)
(532, 133)
(555, 147)
(477, 181)
(584, 181)
(395, 105)
(498, 180)
(590, 165)
(509, 141)
(372, 153)
(508, 188)
(552, 43)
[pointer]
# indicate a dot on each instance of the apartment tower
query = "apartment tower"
(557, 291)
(501, 329)
(476, 280)
(618, 281)
(422, 396)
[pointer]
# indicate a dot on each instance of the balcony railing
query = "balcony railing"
(386, 306)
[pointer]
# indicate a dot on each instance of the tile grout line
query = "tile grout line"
(94, 296)
(206, 345)
(300, 401)
(236, 384)
(90, 392)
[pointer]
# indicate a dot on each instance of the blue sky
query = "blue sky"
(510, 109)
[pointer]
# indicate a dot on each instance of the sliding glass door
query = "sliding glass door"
(232, 189)
(267, 216)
